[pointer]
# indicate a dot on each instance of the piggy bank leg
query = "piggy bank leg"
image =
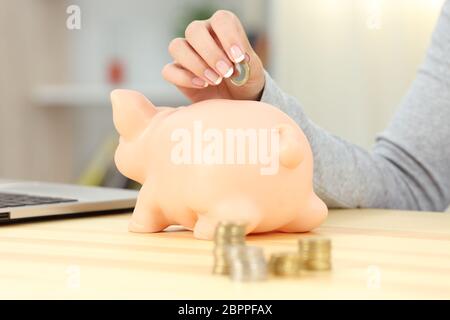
(235, 210)
(311, 217)
(147, 215)
(204, 227)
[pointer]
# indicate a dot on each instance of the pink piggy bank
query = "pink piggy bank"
(215, 160)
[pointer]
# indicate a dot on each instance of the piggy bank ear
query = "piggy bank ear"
(131, 112)
(291, 147)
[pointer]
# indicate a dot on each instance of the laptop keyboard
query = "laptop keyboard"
(20, 200)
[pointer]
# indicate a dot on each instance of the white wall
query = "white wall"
(350, 61)
(32, 51)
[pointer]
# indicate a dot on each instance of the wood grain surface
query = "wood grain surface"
(377, 254)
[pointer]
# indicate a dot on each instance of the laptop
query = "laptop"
(23, 200)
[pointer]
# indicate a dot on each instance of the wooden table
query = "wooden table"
(376, 254)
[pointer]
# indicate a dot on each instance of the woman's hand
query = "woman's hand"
(204, 60)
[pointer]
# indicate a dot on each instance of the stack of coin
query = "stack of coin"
(287, 264)
(246, 263)
(316, 253)
(226, 234)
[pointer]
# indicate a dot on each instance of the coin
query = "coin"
(247, 263)
(318, 265)
(286, 264)
(243, 75)
(316, 252)
(226, 234)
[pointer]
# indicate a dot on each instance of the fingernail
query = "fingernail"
(212, 76)
(224, 69)
(237, 54)
(199, 82)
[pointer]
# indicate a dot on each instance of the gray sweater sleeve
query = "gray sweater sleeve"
(409, 166)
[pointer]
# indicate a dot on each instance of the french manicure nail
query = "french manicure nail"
(199, 82)
(212, 76)
(237, 54)
(224, 69)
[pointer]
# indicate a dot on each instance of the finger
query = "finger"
(182, 52)
(231, 35)
(177, 75)
(198, 36)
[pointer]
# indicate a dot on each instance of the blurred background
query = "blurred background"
(348, 61)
